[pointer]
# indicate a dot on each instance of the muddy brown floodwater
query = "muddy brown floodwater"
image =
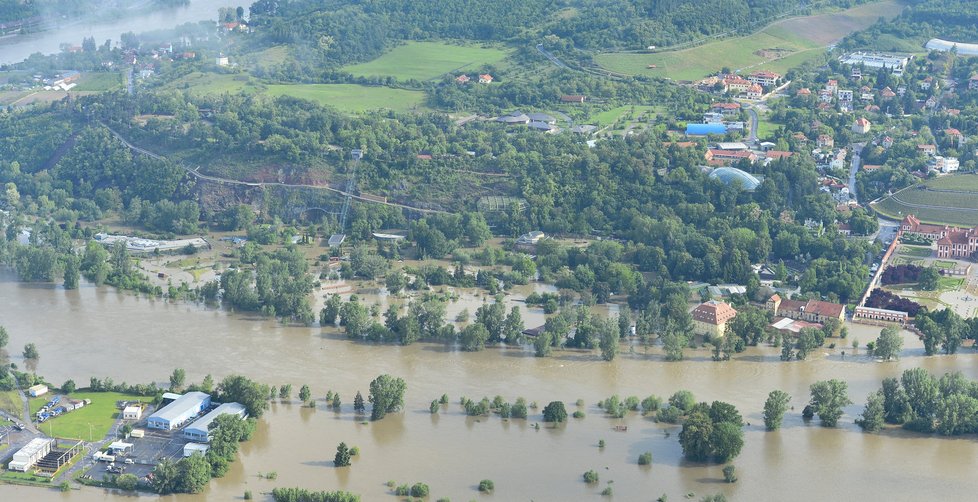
(102, 332)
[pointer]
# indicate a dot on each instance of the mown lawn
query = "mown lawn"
(427, 61)
(800, 38)
(608, 117)
(351, 97)
(915, 251)
(100, 81)
(91, 422)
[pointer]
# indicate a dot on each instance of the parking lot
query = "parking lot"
(147, 451)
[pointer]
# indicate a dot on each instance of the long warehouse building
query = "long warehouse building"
(179, 411)
(26, 457)
(200, 430)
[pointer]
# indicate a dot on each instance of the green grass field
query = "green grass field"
(427, 61)
(800, 39)
(953, 208)
(91, 422)
(609, 117)
(214, 83)
(11, 403)
(102, 81)
(353, 98)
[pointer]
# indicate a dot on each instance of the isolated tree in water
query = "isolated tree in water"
(358, 405)
(386, 395)
(342, 458)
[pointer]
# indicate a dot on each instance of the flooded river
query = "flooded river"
(101, 332)
(17, 48)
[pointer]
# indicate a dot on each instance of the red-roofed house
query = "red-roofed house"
(710, 318)
(861, 125)
(872, 167)
(573, 99)
(778, 154)
(763, 77)
(954, 135)
(726, 108)
(887, 93)
(724, 157)
(928, 149)
(811, 310)
(462, 79)
(755, 91)
(804, 91)
(735, 84)
(825, 141)
(485, 79)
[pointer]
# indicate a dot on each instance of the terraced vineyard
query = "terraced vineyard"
(951, 200)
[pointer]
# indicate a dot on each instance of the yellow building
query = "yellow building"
(710, 318)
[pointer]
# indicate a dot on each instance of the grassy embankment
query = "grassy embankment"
(797, 40)
(91, 422)
(959, 207)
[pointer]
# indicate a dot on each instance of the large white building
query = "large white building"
(936, 44)
(26, 457)
(877, 60)
(179, 411)
(200, 430)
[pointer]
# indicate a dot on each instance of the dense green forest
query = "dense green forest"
(340, 31)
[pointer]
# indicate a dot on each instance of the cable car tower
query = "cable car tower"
(337, 239)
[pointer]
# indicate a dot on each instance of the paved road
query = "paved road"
(857, 148)
(553, 59)
(753, 125)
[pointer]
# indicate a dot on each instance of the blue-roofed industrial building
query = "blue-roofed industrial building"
(705, 129)
(200, 430)
(180, 411)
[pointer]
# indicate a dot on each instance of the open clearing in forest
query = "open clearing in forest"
(796, 40)
(427, 61)
(353, 98)
(350, 98)
(950, 200)
(99, 81)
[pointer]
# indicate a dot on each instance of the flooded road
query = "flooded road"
(100, 332)
(17, 48)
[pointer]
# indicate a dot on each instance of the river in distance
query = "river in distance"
(102, 332)
(17, 48)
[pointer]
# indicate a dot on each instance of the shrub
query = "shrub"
(669, 415)
(247, 495)
(591, 477)
(601, 443)
(730, 474)
(607, 492)
(402, 490)
(645, 458)
(578, 414)
(486, 486)
(419, 490)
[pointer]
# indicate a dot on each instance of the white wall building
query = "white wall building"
(26, 457)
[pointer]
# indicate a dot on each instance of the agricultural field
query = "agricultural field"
(779, 47)
(427, 61)
(951, 200)
(91, 422)
(353, 98)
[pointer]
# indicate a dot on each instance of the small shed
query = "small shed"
(191, 448)
(137, 433)
(120, 447)
(38, 390)
(132, 412)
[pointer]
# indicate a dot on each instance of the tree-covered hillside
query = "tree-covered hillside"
(953, 20)
(341, 31)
